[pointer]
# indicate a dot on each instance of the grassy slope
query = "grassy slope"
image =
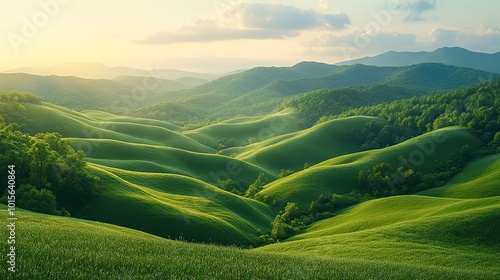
(161, 204)
(242, 129)
(59, 255)
(479, 179)
(312, 145)
(414, 229)
(172, 205)
(77, 125)
(155, 158)
(338, 175)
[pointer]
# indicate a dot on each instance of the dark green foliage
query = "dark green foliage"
(257, 186)
(477, 108)
(230, 185)
(286, 223)
(383, 180)
(225, 143)
(53, 175)
(285, 172)
(292, 220)
(314, 105)
(42, 201)
(11, 108)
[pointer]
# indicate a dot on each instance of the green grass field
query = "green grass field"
(79, 249)
(312, 145)
(243, 130)
(338, 175)
(158, 182)
(414, 229)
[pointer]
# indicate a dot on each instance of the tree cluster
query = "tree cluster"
(51, 176)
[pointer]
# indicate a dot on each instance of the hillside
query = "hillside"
(100, 71)
(420, 230)
(338, 175)
(260, 90)
(143, 256)
(311, 146)
(478, 180)
(451, 56)
(156, 84)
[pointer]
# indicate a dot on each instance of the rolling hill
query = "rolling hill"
(338, 175)
(478, 180)
(135, 254)
(451, 56)
(161, 181)
(260, 90)
(421, 230)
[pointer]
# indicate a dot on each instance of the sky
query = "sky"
(219, 36)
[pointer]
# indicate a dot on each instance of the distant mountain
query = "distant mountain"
(256, 91)
(451, 56)
(159, 85)
(260, 90)
(73, 92)
(99, 71)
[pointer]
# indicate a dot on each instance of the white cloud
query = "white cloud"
(481, 38)
(357, 43)
(252, 21)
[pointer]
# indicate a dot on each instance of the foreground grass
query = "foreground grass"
(63, 248)
(412, 229)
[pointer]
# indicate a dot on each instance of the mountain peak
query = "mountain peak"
(455, 56)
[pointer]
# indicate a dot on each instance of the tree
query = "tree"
(257, 186)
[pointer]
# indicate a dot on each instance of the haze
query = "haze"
(224, 35)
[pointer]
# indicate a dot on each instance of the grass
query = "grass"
(176, 206)
(77, 125)
(245, 129)
(338, 175)
(312, 145)
(413, 229)
(156, 158)
(159, 180)
(479, 179)
(113, 252)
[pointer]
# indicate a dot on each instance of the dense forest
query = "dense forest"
(51, 176)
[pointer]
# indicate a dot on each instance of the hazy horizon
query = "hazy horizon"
(225, 35)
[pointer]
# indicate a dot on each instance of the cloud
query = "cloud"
(481, 38)
(417, 8)
(252, 21)
(358, 43)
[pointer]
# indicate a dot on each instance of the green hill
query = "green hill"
(155, 84)
(312, 145)
(338, 175)
(154, 158)
(176, 206)
(408, 229)
(451, 56)
(69, 123)
(478, 180)
(243, 131)
(115, 252)
(260, 90)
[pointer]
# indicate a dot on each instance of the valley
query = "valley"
(313, 171)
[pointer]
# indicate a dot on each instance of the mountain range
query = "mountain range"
(451, 56)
